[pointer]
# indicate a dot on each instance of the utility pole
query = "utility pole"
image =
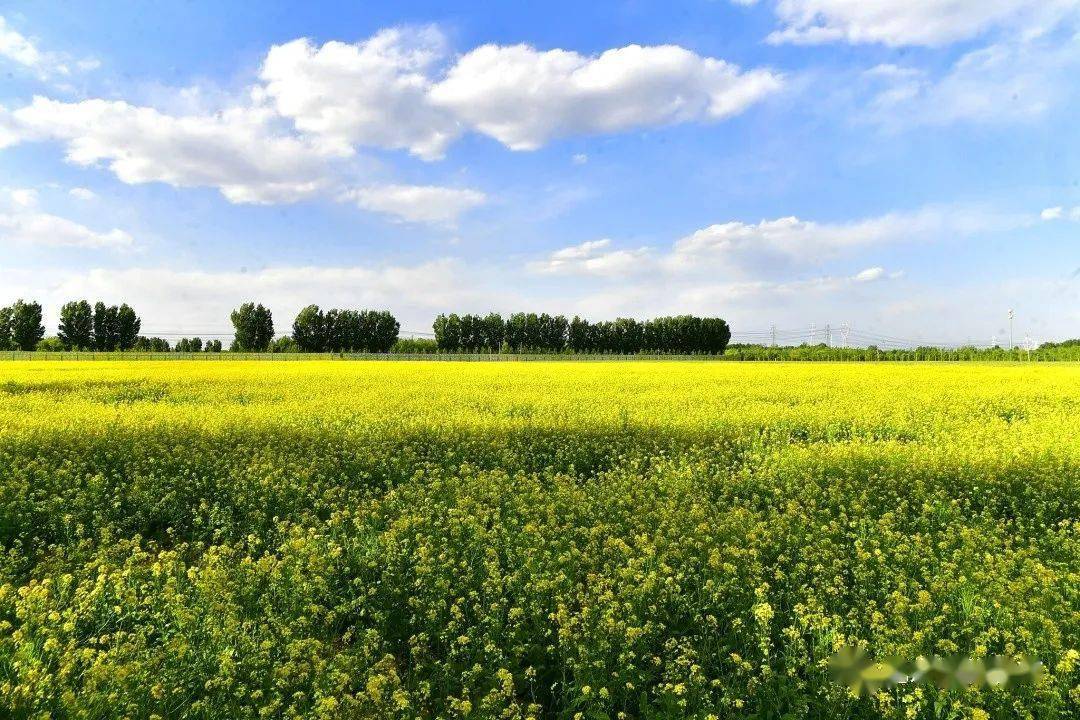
(1011, 344)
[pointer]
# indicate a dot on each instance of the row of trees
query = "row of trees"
(104, 328)
(1048, 352)
(530, 332)
(344, 330)
(194, 345)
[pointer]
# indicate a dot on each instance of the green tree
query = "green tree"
(448, 332)
(5, 329)
(309, 330)
(106, 327)
(284, 344)
(385, 329)
(128, 325)
(254, 326)
(578, 335)
(77, 325)
(26, 327)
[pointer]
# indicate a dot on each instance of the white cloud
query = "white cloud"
(81, 193)
(870, 274)
(417, 203)
(1053, 213)
(1006, 82)
(19, 198)
(9, 134)
(898, 23)
(524, 97)
(738, 246)
(51, 230)
(593, 258)
(371, 93)
(17, 47)
(773, 247)
(386, 91)
(21, 222)
(235, 151)
(315, 106)
(21, 50)
(1061, 213)
(580, 159)
(239, 151)
(873, 274)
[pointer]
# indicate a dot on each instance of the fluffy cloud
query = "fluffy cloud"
(387, 91)
(81, 193)
(912, 22)
(593, 258)
(236, 151)
(370, 93)
(21, 50)
(1060, 213)
(873, 274)
(18, 48)
(524, 97)
(315, 106)
(417, 203)
(21, 222)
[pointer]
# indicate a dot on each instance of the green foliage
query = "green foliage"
(128, 325)
(344, 330)
(26, 330)
(154, 344)
(51, 344)
(254, 326)
(531, 333)
(77, 326)
(821, 352)
(309, 330)
(106, 327)
(410, 346)
(284, 344)
(5, 329)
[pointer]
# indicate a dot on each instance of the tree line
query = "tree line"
(373, 331)
(532, 332)
(108, 328)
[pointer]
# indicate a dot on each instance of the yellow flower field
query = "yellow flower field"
(549, 539)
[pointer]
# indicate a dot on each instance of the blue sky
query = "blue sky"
(910, 169)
